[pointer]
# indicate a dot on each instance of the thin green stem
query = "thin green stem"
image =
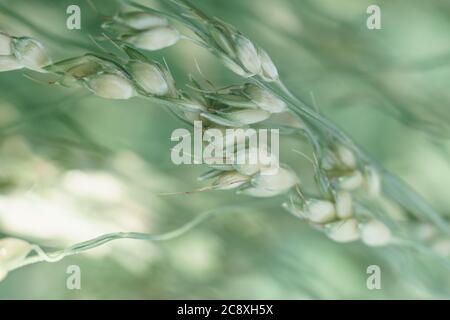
(55, 256)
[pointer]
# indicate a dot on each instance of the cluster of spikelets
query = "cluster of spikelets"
(342, 177)
(336, 214)
(238, 53)
(233, 107)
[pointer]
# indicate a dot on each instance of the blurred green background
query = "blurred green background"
(74, 166)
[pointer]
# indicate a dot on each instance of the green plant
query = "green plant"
(351, 187)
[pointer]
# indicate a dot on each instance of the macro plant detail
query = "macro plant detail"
(349, 196)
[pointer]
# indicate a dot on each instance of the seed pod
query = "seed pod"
(350, 182)
(264, 99)
(245, 116)
(247, 55)
(12, 251)
(343, 231)
(374, 233)
(9, 63)
(269, 71)
(154, 39)
(282, 181)
(372, 181)
(111, 86)
(5, 45)
(319, 211)
(149, 77)
(230, 180)
(30, 53)
(343, 201)
(140, 20)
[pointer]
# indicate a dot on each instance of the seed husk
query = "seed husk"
(374, 233)
(343, 231)
(111, 86)
(30, 53)
(269, 71)
(264, 99)
(154, 39)
(319, 211)
(140, 20)
(344, 207)
(149, 77)
(247, 55)
(372, 181)
(283, 180)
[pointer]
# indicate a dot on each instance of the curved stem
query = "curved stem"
(55, 256)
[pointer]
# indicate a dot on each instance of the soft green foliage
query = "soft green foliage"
(78, 166)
